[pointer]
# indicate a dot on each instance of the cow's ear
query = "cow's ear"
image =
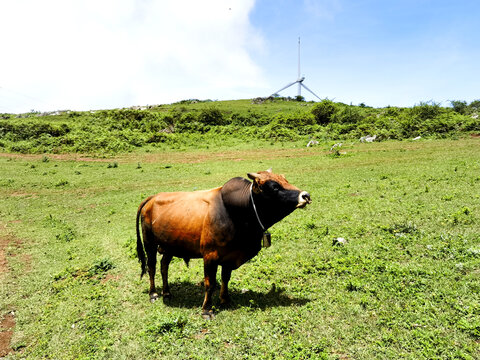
(256, 182)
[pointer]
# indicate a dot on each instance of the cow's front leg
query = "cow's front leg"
(210, 269)
(166, 258)
(226, 274)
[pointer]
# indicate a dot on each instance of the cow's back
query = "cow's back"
(180, 220)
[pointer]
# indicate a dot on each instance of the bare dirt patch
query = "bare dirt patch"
(189, 157)
(64, 157)
(110, 277)
(7, 324)
(23, 194)
(203, 156)
(7, 321)
(4, 242)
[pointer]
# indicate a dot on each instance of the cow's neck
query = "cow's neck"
(238, 202)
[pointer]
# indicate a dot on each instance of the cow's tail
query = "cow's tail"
(140, 249)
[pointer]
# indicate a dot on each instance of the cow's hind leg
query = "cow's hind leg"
(224, 296)
(210, 270)
(166, 258)
(151, 251)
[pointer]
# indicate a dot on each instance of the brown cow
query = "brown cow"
(224, 226)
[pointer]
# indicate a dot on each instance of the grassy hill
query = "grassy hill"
(238, 123)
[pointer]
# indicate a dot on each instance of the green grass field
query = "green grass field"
(406, 285)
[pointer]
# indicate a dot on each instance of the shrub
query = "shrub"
(426, 110)
(293, 121)
(239, 119)
(211, 116)
(347, 115)
(158, 138)
(278, 132)
(31, 129)
(323, 111)
(129, 119)
(409, 126)
(471, 124)
(474, 107)
(459, 106)
(252, 119)
(443, 124)
(189, 123)
(187, 118)
(391, 111)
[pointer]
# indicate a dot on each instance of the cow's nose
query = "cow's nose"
(303, 199)
(306, 197)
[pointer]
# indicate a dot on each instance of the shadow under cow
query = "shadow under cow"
(190, 295)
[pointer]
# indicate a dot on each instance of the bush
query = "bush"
(443, 124)
(211, 116)
(293, 121)
(189, 123)
(129, 119)
(239, 119)
(409, 127)
(391, 111)
(426, 110)
(278, 132)
(347, 115)
(323, 111)
(459, 106)
(17, 131)
(158, 138)
(470, 124)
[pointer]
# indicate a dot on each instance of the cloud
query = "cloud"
(86, 54)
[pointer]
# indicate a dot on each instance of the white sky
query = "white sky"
(89, 54)
(101, 54)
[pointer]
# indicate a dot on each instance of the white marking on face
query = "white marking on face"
(303, 199)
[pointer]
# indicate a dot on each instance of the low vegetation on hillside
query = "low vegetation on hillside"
(194, 123)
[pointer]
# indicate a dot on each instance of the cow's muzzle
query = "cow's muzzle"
(303, 199)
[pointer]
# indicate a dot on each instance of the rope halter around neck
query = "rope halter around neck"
(266, 240)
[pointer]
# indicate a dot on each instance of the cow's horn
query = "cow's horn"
(253, 176)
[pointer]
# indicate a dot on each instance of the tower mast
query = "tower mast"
(299, 83)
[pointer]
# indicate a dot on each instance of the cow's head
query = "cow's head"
(277, 192)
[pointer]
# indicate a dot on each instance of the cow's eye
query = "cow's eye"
(275, 187)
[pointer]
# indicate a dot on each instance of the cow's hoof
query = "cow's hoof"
(208, 315)
(153, 297)
(166, 295)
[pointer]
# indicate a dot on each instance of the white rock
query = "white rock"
(339, 241)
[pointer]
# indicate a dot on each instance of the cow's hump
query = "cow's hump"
(236, 193)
